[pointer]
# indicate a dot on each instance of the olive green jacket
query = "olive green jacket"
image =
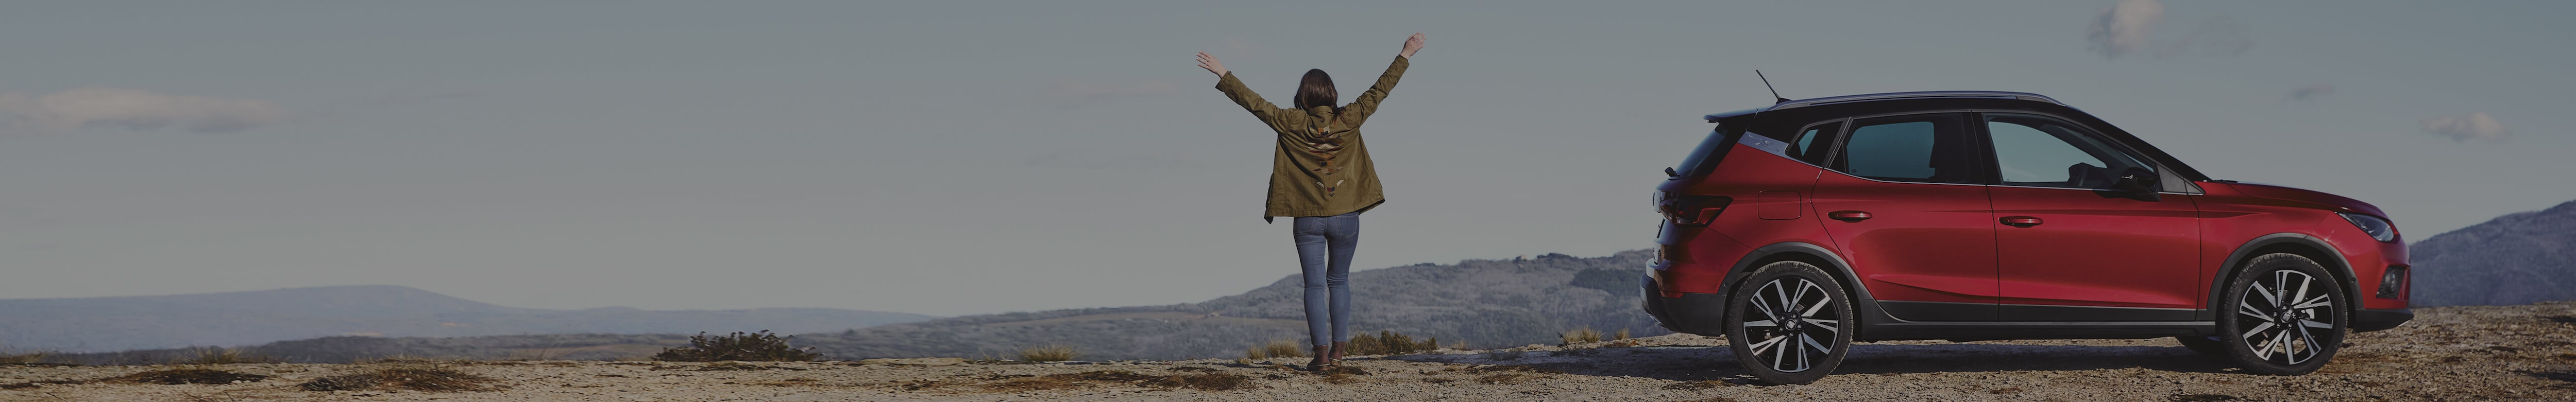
(1321, 167)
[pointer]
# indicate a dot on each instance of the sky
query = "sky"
(954, 158)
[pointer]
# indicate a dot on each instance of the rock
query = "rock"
(918, 361)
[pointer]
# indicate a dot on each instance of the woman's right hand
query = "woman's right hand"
(1210, 63)
(1411, 45)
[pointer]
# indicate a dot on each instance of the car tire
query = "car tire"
(1777, 348)
(2203, 344)
(2283, 315)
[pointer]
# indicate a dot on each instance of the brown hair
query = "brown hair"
(1317, 90)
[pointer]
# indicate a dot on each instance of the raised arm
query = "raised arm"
(1366, 104)
(1242, 95)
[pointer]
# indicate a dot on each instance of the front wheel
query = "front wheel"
(1789, 323)
(2286, 316)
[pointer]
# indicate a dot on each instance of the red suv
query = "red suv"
(1798, 228)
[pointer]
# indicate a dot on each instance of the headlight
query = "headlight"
(2379, 229)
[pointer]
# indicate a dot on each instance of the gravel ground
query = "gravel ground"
(2473, 353)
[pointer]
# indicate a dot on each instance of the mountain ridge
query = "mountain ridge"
(94, 324)
(2517, 258)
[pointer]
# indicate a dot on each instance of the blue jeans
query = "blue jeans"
(1324, 245)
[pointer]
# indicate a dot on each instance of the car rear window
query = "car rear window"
(1709, 150)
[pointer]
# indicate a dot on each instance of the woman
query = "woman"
(1321, 175)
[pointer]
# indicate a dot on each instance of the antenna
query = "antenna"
(1766, 84)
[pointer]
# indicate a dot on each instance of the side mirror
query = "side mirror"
(2138, 183)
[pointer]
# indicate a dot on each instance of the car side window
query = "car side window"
(1810, 145)
(2043, 152)
(1918, 148)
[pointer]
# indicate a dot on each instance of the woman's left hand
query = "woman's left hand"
(1209, 62)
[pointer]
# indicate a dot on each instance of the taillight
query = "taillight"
(1693, 210)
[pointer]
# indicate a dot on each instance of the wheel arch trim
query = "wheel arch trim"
(2236, 263)
(1834, 265)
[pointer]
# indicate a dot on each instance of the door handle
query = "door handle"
(1848, 216)
(2022, 221)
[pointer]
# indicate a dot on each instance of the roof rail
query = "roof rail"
(1913, 95)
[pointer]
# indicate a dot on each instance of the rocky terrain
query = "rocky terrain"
(1480, 303)
(2466, 353)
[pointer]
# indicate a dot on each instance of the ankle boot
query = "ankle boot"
(1338, 347)
(1323, 359)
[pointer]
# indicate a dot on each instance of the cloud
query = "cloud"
(2473, 126)
(2123, 28)
(1075, 94)
(131, 109)
(2312, 91)
(2219, 36)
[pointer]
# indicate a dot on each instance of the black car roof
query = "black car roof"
(2026, 96)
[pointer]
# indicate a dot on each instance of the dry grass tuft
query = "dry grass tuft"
(1389, 343)
(1205, 382)
(1503, 378)
(188, 376)
(1049, 353)
(1623, 335)
(1581, 335)
(416, 378)
(1276, 348)
(223, 356)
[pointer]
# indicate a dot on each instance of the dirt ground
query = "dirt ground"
(2474, 353)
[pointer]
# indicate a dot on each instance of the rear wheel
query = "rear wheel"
(2285, 316)
(1789, 323)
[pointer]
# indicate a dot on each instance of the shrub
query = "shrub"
(1276, 348)
(223, 356)
(1390, 343)
(1581, 335)
(757, 347)
(23, 358)
(1049, 353)
(416, 378)
(1623, 334)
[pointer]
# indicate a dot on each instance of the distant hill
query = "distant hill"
(1483, 303)
(99, 324)
(2513, 259)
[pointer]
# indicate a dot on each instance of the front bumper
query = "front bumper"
(1692, 313)
(2366, 320)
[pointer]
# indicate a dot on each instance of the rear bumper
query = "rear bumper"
(1692, 313)
(2366, 320)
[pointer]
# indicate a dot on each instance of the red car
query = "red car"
(1798, 228)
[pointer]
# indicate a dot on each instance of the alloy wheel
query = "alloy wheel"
(1792, 324)
(2286, 317)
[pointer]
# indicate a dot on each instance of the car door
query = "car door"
(1907, 216)
(2071, 245)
